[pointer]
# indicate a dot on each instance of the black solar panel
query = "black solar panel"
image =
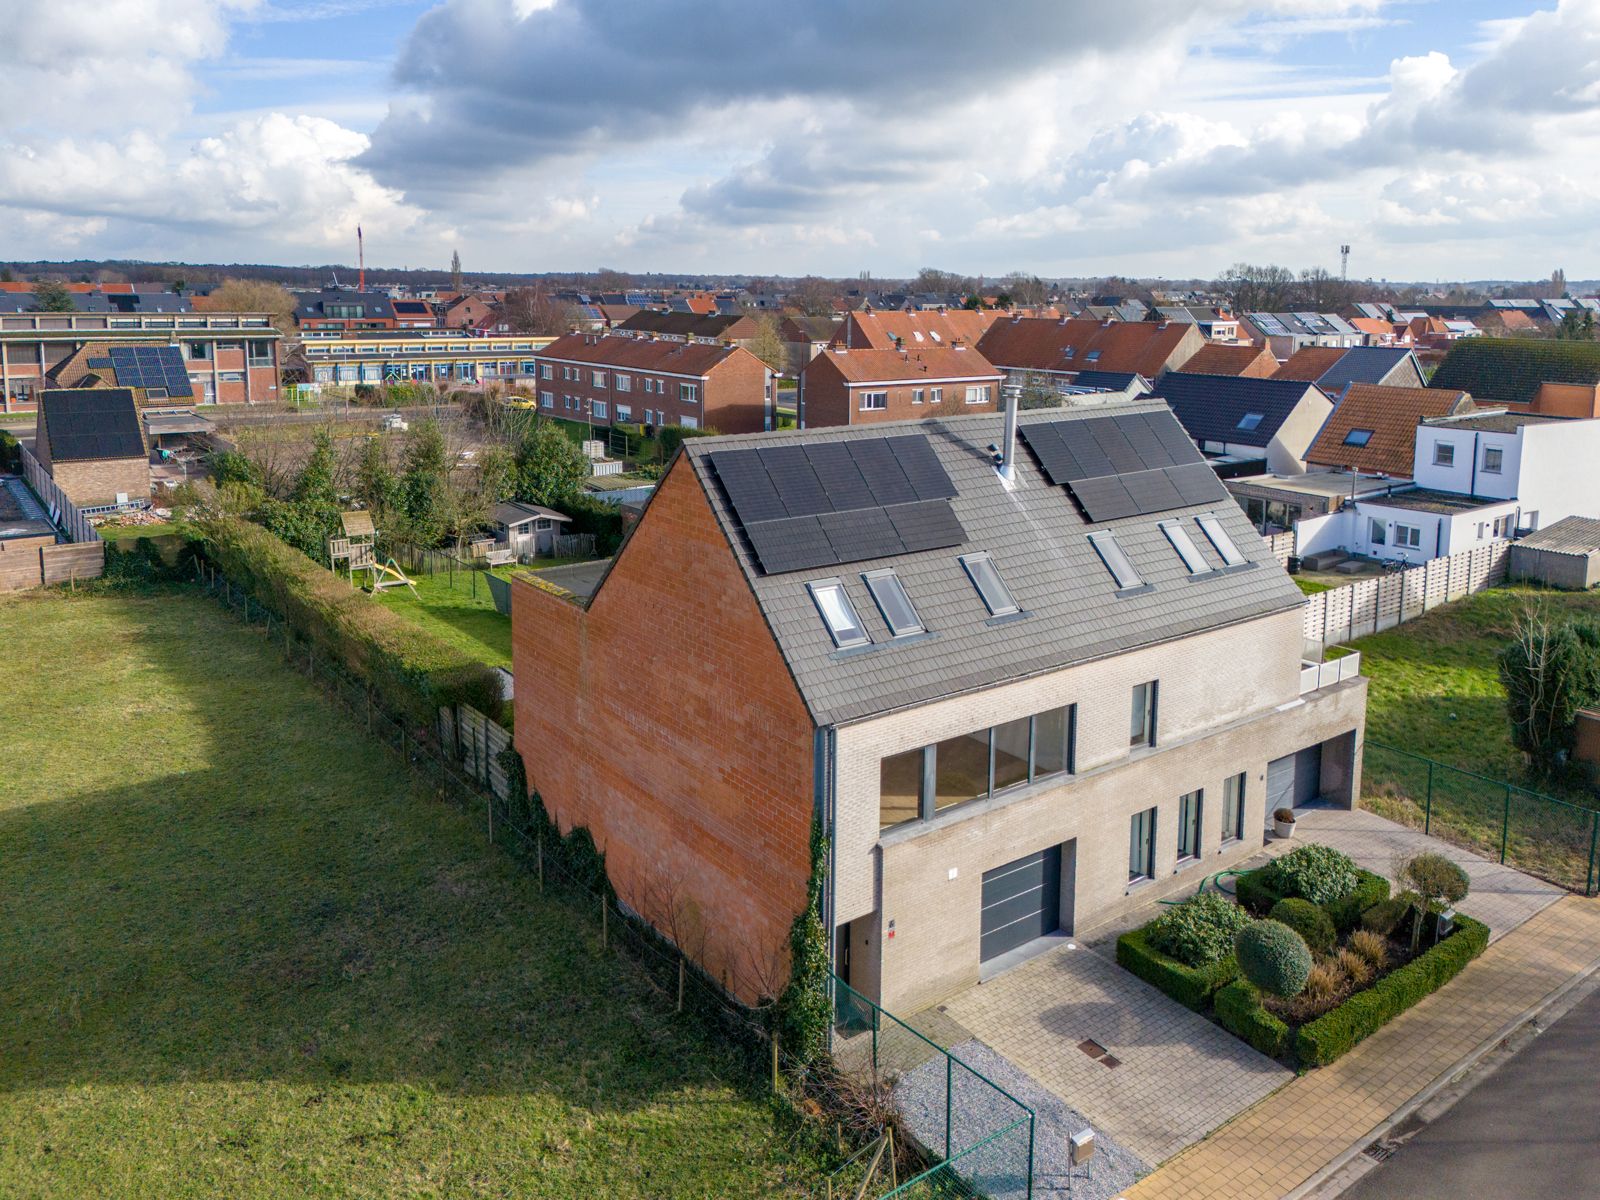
(1123, 465)
(1105, 498)
(1197, 483)
(159, 368)
(814, 505)
(89, 423)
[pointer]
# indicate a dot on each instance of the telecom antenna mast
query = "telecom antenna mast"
(361, 259)
(1344, 262)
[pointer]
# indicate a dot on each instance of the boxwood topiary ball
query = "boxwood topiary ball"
(1273, 957)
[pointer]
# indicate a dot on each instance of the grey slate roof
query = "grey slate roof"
(1210, 407)
(1373, 364)
(1570, 535)
(1038, 540)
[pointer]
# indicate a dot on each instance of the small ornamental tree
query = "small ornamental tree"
(1550, 670)
(1434, 881)
(1273, 957)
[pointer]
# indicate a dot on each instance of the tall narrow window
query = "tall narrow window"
(1493, 460)
(893, 602)
(900, 788)
(1233, 807)
(1118, 563)
(1189, 825)
(1053, 732)
(992, 589)
(1184, 545)
(838, 614)
(1218, 537)
(1142, 729)
(1142, 846)
(1011, 753)
(961, 769)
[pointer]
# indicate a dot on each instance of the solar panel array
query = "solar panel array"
(1128, 465)
(806, 506)
(152, 367)
(91, 423)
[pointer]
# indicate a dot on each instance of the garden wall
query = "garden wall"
(1382, 602)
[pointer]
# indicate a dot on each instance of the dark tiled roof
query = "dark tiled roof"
(91, 423)
(682, 324)
(375, 305)
(1037, 537)
(643, 354)
(1210, 407)
(1111, 381)
(1511, 369)
(1395, 366)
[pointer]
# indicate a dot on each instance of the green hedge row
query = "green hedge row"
(1321, 1041)
(1191, 987)
(1255, 892)
(1238, 1007)
(10, 452)
(410, 669)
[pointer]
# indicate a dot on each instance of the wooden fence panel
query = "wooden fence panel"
(480, 742)
(72, 561)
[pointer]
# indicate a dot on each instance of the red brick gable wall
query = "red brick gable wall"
(664, 719)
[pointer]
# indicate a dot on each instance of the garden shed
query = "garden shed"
(1564, 555)
(527, 529)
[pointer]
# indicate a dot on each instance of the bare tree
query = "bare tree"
(534, 310)
(767, 344)
(1251, 288)
(256, 296)
(813, 296)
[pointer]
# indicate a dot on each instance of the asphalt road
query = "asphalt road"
(1530, 1130)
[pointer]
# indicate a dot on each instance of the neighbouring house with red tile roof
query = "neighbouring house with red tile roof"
(887, 330)
(1383, 333)
(1374, 428)
(859, 387)
(1059, 350)
(1245, 360)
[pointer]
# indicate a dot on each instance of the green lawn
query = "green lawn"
(242, 955)
(1435, 691)
(460, 610)
(1311, 586)
(131, 533)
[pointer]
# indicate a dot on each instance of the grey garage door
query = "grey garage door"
(1294, 779)
(1021, 901)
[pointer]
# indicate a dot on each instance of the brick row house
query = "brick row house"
(1020, 708)
(859, 387)
(1055, 352)
(609, 379)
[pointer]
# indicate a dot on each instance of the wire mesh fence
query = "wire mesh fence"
(1542, 835)
(980, 1135)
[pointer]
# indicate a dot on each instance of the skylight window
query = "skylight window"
(1093, 356)
(1184, 545)
(1250, 421)
(1218, 537)
(893, 602)
(1358, 437)
(838, 614)
(992, 589)
(1118, 563)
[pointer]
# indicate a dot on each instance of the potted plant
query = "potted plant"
(1283, 822)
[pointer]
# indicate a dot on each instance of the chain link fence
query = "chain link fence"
(1542, 835)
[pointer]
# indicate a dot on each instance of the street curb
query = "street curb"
(1464, 1063)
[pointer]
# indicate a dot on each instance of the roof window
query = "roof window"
(893, 602)
(1093, 356)
(1358, 437)
(992, 589)
(1249, 421)
(838, 614)
(1118, 563)
(1218, 537)
(1184, 545)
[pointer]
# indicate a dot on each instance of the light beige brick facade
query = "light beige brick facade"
(1229, 703)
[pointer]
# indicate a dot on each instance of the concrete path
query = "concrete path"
(1501, 897)
(1164, 1077)
(1286, 1139)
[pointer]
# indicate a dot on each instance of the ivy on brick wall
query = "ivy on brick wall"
(803, 1008)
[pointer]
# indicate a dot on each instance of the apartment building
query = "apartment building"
(862, 387)
(1020, 707)
(602, 380)
(448, 358)
(334, 311)
(233, 358)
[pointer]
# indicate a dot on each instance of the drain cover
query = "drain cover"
(1092, 1048)
(1109, 1061)
(1377, 1152)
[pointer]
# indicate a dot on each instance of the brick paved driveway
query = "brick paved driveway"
(1176, 1078)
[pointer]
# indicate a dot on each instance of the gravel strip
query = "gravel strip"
(999, 1170)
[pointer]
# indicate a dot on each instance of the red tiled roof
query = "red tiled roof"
(640, 354)
(924, 362)
(1391, 414)
(1040, 344)
(1248, 360)
(1310, 363)
(878, 330)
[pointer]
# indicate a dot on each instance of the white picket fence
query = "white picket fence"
(1366, 606)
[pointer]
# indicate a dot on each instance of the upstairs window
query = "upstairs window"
(1358, 437)
(893, 602)
(1493, 460)
(992, 589)
(1219, 539)
(689, 393)
(874, 401)
(1118, 563)
(1184, 545)
(1142, 726)
(838, 614)
(1250, 421)
(977, 395)
(1444, 454)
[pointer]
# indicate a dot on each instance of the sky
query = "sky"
(1440, 139)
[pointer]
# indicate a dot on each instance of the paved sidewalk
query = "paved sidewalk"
(1281, 1142)
(1162, 1076)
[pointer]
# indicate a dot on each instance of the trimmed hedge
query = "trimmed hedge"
(1331, 1035)
(1238, 1008)
(410, 669)
(10, 452)
(1191, 987)
(1310, 921)
(1255, 891)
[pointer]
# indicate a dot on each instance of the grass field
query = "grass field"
(242, 956)
(132, 533)
(1435, 691)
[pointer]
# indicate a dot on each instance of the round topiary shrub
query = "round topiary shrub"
(1273, 957)
(1306, 919)
(1199, 931)
(1313, 872)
